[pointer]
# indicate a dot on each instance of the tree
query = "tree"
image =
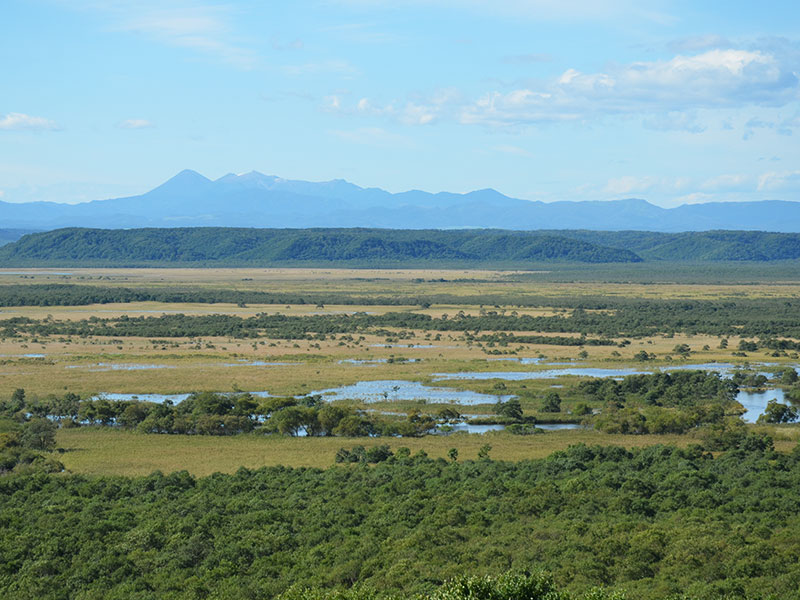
(330, 416)
(352, 426)
(778, 413)
(483, 453)
(17, 400)
(510, 409)
(682, 350)
(552, 402)
(453, 454)
(38, 434)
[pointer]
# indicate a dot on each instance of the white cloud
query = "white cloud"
(418, 111)
(136, 124)
(332, 103)
(728, 182)
(775, 181)
(515, 150)
(20, 121)
(668, 90)
(630, 184)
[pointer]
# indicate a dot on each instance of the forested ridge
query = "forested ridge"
(659, 522)
(227, 246)
(222, 246)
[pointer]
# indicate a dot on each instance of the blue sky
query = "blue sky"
(548, 100)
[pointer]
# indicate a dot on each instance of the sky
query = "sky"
(671, 101)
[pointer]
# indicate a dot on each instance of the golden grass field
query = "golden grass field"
(136, 365)
(111, 452)
(90, 366)
(392, 282)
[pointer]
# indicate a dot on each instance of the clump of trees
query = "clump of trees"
(209, 413)
(27, 441)
(660, 402)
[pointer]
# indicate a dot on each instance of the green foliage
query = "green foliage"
(38, 434)
(226, 246)
(778, 413)
(511, 409)
(659, 522)
(660, 402)
(551, 402)
(509, 586)
(234, 247)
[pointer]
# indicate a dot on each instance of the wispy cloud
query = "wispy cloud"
(136, 124)
(193, 24)
(22, 122)
(417, 111)
(515, 150)
(775, 181)
(728, 182)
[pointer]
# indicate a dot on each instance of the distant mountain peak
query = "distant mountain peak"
(254, 199)
(187, 181)
(188, 175)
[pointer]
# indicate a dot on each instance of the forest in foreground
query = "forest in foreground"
(658, 522)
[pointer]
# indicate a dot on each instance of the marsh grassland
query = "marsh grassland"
(57, 351)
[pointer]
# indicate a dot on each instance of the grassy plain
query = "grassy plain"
(91, 365)
(646, 280)
(111, 452)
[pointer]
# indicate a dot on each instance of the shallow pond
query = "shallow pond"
(100, 367)
(243, 362)
(375, 361)
(725, 369)
(391, 390)
(159, 398)
(455, 427)
(520, 360)
(756, 402)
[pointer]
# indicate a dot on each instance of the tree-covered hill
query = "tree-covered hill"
(242, 247)
(224, 246)
(697, 245)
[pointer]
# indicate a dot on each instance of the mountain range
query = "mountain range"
(256, 200)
